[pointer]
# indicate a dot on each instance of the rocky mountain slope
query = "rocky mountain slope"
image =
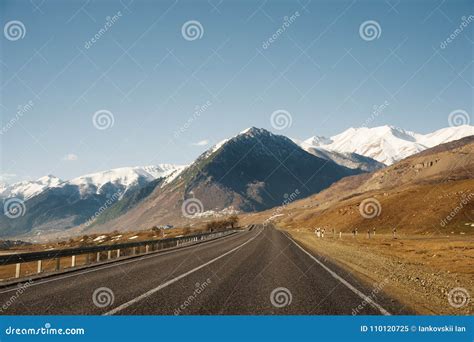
(252, 171)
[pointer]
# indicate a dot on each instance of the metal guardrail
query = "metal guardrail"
(133, 248)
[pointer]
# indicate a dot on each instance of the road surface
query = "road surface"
(256, 272)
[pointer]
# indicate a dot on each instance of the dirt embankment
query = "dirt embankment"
(430, 275)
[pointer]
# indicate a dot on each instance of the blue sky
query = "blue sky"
(150, 79)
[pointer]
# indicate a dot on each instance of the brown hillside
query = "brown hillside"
(416, 195)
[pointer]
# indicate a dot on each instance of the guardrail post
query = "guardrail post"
(118, 253)
(58, 264)
(97, 257)
(109, 255)
(134, 250)
(147, 248)
(17, 270)
(73, 261)
(40, 266)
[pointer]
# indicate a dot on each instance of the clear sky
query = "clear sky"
(150, 74)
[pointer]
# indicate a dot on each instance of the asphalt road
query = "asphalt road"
(257, 272)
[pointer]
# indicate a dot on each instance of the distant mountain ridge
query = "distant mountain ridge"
(64, 205)
(252, 171)
(27, 189)
(365, 148)
(386, 144)
(121, 179)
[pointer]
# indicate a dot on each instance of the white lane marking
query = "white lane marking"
(169, 282)
(115, 264)
(342, 280)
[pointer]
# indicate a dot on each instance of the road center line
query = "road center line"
(342, 280)
(169, 282)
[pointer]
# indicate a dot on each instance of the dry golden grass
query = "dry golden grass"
(420, 270)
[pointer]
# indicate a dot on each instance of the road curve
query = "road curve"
(257, 272)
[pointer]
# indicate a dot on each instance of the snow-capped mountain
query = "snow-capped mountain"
(350, 160)
(27, 189)
(444, 135)
(52, 205)
(121, 179)
(386, 144)
(316, 141)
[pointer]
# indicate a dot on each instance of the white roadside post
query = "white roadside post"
(17, 270)
(73, 261)
(109, 255)
(40, 266)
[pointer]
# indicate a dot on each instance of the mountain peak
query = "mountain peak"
(254, 131)
(49, 178)
(317, 141)
(248, 132)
